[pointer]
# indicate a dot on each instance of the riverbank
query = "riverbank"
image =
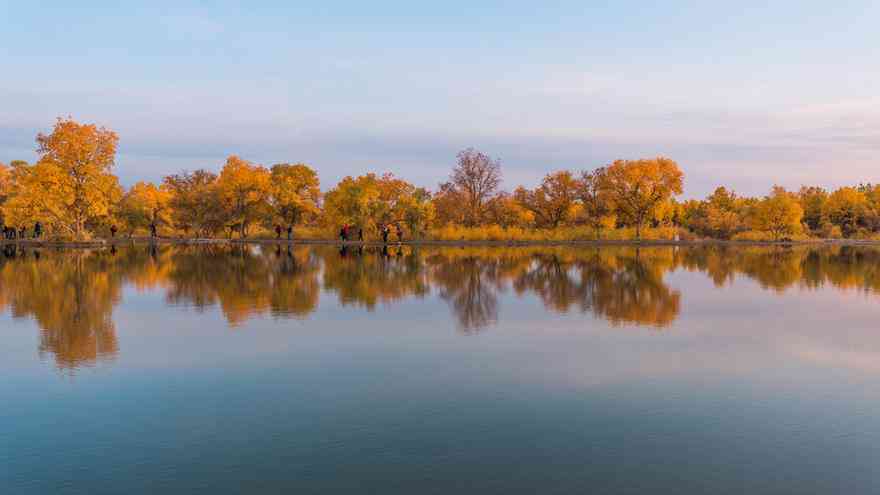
(101, 243)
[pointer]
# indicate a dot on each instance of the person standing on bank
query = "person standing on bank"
(113, 231)
(290, 232)
(153, 230)
(23, 233)
(361, 234)
(38, 230)
(277, 232)
(385, 231)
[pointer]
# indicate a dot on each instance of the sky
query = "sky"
(744, 94)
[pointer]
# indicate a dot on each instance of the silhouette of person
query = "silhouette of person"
(277, 232)
(113, 230)
(38, 230)
(153, 230)
(23, 233)
(385, 232)
(290, 232)
(361, 234)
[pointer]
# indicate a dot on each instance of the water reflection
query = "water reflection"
(71, 294)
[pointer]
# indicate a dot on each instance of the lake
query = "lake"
(267, 369)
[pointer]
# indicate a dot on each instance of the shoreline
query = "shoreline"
(140, 241)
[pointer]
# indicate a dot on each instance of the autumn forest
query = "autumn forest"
(71, 193)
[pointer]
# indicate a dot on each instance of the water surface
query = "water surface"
(226, 369)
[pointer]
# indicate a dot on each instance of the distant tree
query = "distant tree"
(72, 184)
(294, 192)
(847, 208)
(5, 188)
(554, 201)
(145, 204)
(447, 204)
(244, 189)
(504, 210)
(476, 177)
(779, 214)
(417, 210)
(637, 187)
(595, 198)
(354, 201)
(368, 201)
(722, 213)
(195, 203)
(812, 201)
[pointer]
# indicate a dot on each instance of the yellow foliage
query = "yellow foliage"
(72, 184)
(244, 189)
(778, 214)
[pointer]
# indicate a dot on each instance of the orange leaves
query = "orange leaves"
(294, 192)
(779, 214)
(71, 184)
(244, 189)
(639, 186)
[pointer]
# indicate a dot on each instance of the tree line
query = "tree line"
(72, 192)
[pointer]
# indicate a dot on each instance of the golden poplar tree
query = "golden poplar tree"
(294, 192)
(638, 187)
(72, 185)
(243, 188)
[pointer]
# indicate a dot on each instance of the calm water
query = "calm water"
(453, 370)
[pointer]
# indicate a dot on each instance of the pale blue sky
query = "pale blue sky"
(746, 94)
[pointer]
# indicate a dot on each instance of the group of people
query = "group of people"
(347, 233)
(11, 233)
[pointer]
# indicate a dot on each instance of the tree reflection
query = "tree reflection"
(366, 277)
(71, 297)
(470, 285)
(244, 281)
(71, 294)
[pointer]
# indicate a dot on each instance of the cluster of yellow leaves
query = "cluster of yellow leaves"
(370, 201)
(71, 187)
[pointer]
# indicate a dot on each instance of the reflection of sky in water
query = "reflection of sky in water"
(746, 389)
